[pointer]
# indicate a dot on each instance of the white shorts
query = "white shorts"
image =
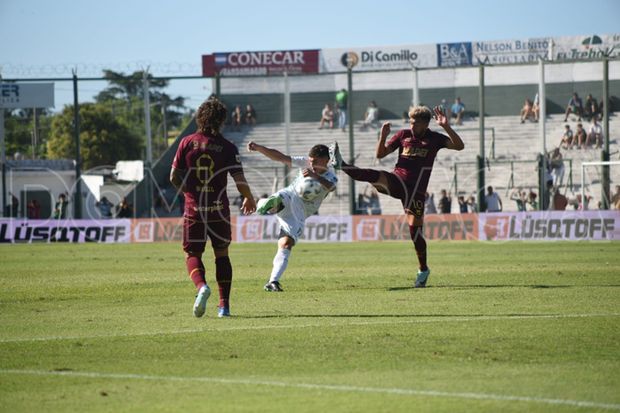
(292, 218)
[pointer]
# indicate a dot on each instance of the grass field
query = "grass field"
(506, 327)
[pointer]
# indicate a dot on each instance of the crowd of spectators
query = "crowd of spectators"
(239, 117)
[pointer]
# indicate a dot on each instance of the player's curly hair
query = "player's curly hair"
(422, 113)
(211, 116)
(319, 151)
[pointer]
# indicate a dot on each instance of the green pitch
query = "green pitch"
(506, 327)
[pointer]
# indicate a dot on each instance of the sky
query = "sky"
(44, 39)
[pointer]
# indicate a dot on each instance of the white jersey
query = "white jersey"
(310, 207)
(293, 217)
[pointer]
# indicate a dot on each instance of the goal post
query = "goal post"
(584, 165)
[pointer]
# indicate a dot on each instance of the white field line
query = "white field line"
(431, 319)
(330, 387)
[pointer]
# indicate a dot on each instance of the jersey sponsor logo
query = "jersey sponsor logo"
(413, 152)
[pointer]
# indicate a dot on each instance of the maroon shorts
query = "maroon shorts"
(412, 200)
(196, 234)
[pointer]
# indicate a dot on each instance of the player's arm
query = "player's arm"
(382, 150)
(176, 178)
(455, 142)
(249, 205)
(270, 153)
(330, 186)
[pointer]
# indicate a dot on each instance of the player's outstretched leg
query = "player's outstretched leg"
(359, 174)
(271, 205)
(335, 156)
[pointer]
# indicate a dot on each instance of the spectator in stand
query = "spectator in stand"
(579, 204)
(458, 110)
(520, 197)
(568, 139)
(536, 108)
(327, 116)
(591, 108)
(13, 207)
(105, 208)
(236, 118)
(615, 199)
(371, 117)
(493, 201)
(445, 202)
(34, 209)
(557, 167)
(580, 137)
(559, 201)
(527, 112)
(250, 115)
(462, 204)
(429, 204)
(371, 196)
(60, 209)
(595, 134)
(531, 199)
(341, 102)
(124, 209)
(446, 108)
(471, 203)
(575, 105)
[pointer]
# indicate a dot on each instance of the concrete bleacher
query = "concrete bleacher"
(515, 149)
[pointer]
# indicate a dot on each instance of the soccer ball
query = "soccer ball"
(308, 188)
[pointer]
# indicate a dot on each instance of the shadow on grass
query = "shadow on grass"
(413, 316)
(481, 286)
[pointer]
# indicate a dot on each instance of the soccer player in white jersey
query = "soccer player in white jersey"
(291, 209)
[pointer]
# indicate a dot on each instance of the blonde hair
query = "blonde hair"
(422, 113)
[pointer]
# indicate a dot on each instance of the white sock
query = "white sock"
(280, 261)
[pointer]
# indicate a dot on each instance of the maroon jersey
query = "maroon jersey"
(207, 160)
(416, 156)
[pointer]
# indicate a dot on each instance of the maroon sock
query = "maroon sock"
(223, 275)
(196, 271)
(417, 236)
(361, 174)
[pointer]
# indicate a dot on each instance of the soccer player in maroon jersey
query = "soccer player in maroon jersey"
(200, 169)
(417, 148)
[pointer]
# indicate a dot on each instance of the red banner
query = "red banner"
(260, 63)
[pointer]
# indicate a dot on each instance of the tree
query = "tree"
(127, 86)
(20, 131)
(103, 139)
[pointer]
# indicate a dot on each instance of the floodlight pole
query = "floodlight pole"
(543, 204)
(481, 201)
(605, 192)
(149, 150)
(352, 197)
(77, 198)
(2, 156)
(287, 122)
(416, 87)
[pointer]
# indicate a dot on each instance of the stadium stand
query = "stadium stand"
(511, 158)
(511, 149)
